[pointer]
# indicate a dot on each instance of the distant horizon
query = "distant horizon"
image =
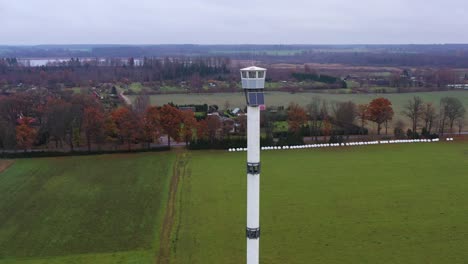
(234, 44)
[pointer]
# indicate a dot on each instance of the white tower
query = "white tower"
(253, 82)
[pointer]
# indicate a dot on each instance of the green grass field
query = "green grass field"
(375, 204)
(137, 87)
(94, 209)
(281, 98)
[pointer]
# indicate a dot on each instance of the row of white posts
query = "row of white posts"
(361, 143)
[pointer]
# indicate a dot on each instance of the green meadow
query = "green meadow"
(94, 209)
(283, 99)
(373, 204)
(402, 203)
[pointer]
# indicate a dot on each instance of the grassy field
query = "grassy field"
(375, 204)
(280, 98)
(94, 209)
(283, 99)
(136, 87)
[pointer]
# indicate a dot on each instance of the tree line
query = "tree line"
(320, 118)
(86, 72)
(449, 55)
(427, 117)
(63, 121)
(70, 121)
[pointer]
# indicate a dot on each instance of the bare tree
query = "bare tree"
(451, 109)
(142, 102)
(7, 135)
(363, 116)
(242, 120)
(442, 115)
(398, 130)
(227, 105)
(314, 112)
(460, 122)
(428, 116)
(413, 110)
(344, 115)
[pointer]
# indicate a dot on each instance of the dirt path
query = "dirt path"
(5, 164)
(165, 237)
(126, 99)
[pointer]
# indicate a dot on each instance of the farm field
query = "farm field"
(93, 209)
(283, 99)
(374, 204)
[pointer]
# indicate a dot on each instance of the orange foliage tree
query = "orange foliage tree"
(213, 126)
(297, 117)
(171, 120)
(151, 125)
(380, 111)
(93, 124)
(202, 129)
(127, 124)
(25, 134)
(189, 125)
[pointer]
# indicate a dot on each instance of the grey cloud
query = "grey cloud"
(225, 22)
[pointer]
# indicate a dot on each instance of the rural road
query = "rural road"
(125, 98)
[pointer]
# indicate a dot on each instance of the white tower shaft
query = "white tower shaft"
(253, 184)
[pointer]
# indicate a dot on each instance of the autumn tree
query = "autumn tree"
(380, 111)
(171, 121)
(214, 124)
(110, 131)
(93, 124)
(127, 123)
(413, 109)
(297, 117)
(25, 133)
(189, 123)
(57, 118)
(152, 125)
(202, 129)
(79, 103)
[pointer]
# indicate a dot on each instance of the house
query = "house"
(458, 86)
(187, 108)
(237, 111)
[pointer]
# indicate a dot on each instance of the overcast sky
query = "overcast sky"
(233, 22)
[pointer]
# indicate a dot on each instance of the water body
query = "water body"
(37, 62)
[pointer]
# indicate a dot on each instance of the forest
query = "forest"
(447, 55)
